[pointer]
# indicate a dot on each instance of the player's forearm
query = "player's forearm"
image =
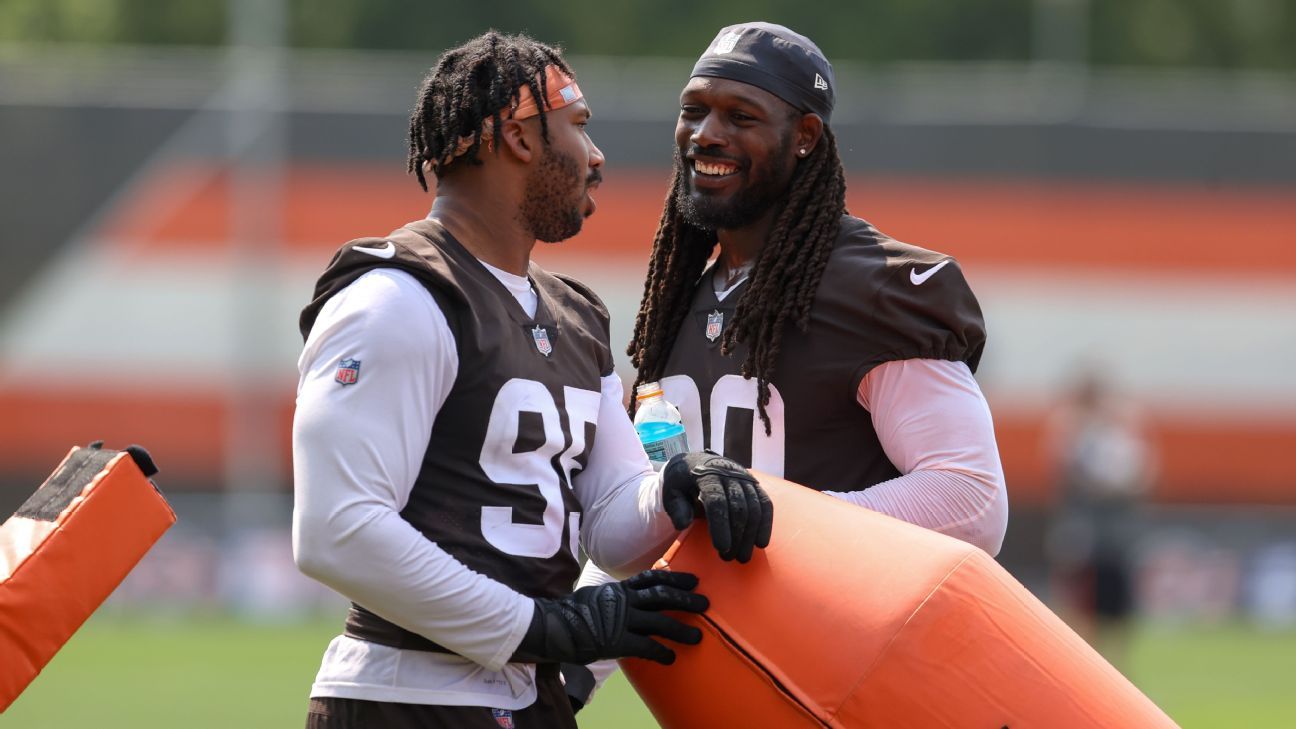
(349, 535)
(372, 556)
(624, 527)
(627, 531)
(935, 426)
(960, 505)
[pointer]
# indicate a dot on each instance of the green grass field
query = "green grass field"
(218, 672)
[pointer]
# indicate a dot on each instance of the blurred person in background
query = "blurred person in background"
(813, 347)
(1103, 467)
(460, 430)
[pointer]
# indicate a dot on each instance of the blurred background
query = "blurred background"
(1117, 177)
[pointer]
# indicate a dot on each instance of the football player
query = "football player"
(459, 431)
(813, 347)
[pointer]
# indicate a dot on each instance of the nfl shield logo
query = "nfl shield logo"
(715, 322)
(542, 343)
(503, 717)
(348, 371)
(728, 42)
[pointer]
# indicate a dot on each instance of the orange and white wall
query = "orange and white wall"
(1186, 295)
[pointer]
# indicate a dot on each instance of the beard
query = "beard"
(551, 206)
(761, 193)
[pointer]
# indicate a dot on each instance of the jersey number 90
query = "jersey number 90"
(731, 392)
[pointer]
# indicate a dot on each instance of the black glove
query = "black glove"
(614, 621)
(738, 511)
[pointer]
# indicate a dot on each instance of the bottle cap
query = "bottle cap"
(647, 390)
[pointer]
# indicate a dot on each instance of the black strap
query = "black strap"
(364, 625)
(66, 483)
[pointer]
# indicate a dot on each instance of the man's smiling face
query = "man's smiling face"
(733, 149)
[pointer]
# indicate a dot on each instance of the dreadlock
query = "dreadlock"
(783, 281)
(469, 85)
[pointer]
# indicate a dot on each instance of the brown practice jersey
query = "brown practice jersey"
(494, 489)
(879, 300)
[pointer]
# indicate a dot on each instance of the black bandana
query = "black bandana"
(775, 59)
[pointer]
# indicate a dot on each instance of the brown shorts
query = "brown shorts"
(551, 710)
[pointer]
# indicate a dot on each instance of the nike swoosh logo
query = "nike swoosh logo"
(387, 252)
(917, 279)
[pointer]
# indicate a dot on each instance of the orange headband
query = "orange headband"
(562, 91)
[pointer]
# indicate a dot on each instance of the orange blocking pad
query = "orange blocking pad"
(65, 550)
(854, 619)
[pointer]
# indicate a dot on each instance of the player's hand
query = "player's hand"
(615, 620)
(739, 513)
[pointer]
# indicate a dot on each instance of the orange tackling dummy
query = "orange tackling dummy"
(854, 619)
(67, 548)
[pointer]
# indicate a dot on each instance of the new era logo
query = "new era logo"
(820, 83)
